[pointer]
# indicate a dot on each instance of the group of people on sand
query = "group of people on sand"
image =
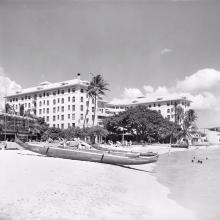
(118, 143)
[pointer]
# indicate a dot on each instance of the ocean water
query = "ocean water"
(195, 186)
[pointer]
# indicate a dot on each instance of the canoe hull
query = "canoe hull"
(144, 154)
(88, 155)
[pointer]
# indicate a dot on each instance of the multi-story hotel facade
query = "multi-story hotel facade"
(62, 104)
(164, 105)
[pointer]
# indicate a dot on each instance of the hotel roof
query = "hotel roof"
(143, 100)
(46, 86)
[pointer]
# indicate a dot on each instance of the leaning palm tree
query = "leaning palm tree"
(179, 114)
(96, 89)
(188, 121)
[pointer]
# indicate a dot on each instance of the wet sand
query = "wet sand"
(38, 187)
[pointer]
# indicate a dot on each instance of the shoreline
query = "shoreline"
(38, 187)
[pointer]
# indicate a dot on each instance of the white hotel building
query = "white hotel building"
(164, 105)
(64, 104)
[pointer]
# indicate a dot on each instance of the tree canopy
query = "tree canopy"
(142, 123)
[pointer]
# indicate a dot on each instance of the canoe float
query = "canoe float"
(116, 158)
(180, 145)
(114, 149)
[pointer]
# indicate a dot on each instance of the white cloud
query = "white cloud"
(196, 87)
(165, 50)
(7, 86)
(131, 93)
(201, 80)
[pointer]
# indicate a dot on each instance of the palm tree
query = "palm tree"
(95, 90)
(188, 121)
(179, 114)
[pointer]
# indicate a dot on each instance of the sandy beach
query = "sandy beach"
(38, 187)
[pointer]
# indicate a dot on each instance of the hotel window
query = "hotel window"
(58, 92)
(68, 116)
(62, 117)
(47, 110)
(25, 97)
(54, 125)
(54, 118)
(29, 105)
(40, 111)
(29, 97)
(81, 99)
(73, 89)
(168, 116)
(81, 117)
(44, 110)
(48, 102)
(168, 104)
(154, 105)
(73, 125)
(93, 109)
(25, 104)
(62, 91)
(40, 95)
(54, 110)
(81, 107)
(73, 108)
(48, 94)
(58, 117)
(47, 118)
(58, 100)
(62, 108)
(69, 107)
(172, 109)
(68, 99)
(22, 98)
(58, 125)
(87, 103)
(68, 90)
(158, 105)
(40, 103)
(54, 93)
(93, 101)
(62, 100)
(81, 90)
(44, 102)
(68, 125)
(58, 108)
(73, 117)
(149, 106)
(16, 99)
(73, 99)
(54, 101)
(44, 94)
(168, 110)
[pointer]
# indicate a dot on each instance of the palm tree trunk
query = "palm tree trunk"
(87, 111)
(94, 112)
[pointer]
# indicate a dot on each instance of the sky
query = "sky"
(142, 48)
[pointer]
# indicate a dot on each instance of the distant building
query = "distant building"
(164, 105)
(62, 104)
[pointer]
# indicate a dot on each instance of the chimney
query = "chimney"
(78, 76)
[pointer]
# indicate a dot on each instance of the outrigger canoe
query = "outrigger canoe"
(180, 145)
(88, 155)
(114, 149)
